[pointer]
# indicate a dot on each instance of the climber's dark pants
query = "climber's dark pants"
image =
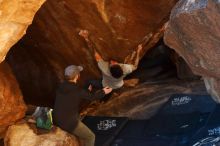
(96, 84)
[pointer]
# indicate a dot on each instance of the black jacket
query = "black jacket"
(67, 102)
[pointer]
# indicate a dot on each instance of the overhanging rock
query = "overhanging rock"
(52, 41)
(194, 33)
(15, 17)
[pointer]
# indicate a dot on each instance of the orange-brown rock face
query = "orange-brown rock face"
(194, 33)
(12, 106)
(15, 17)
(23, 135)
(116, 27)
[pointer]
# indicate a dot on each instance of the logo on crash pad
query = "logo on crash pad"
(181, 100)
(106, 124)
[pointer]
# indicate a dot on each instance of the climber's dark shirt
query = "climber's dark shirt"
(67, 102)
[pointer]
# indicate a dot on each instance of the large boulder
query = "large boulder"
(193, 32)
(15, 17)
(12, 106)
(24, 135)
(144, 100)
(52, 41)
(184, 72)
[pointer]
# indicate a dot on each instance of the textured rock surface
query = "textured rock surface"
(193, 31)
(52, 42)
(12, 106)
(23, 135)
(213, 87)
(144, 100)
(184, 72)
(15, 17)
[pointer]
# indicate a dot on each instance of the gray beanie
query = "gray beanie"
(72, 70)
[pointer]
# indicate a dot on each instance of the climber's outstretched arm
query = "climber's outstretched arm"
(137, 57)
(85, 35)
(133, 59)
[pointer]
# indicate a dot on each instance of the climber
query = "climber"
(67, 102)
(113, 72)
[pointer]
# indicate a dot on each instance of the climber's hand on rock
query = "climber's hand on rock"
(84, 34)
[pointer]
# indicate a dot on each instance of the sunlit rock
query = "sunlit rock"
(52, 41)
(23, 135)
(193, 31)
(12, 106)
(15, 17)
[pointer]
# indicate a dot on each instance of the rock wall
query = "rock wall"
(24, 135)
(12, 106)
(52, 42)
(193, 31)
(15, 17)
(144, 100)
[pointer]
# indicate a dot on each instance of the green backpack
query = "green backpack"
(44, 118)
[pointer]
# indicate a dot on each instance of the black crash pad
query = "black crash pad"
(182, 117)
(209, 135)
(105, 128)
(133, 134)
(184, 120)
(187, 103)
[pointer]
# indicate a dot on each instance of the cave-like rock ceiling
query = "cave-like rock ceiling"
(34, 66)
(52, 41)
